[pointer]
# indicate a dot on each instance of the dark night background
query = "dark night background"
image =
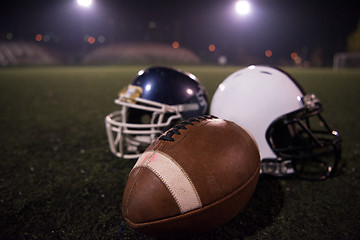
(307, 27)
(58, 179)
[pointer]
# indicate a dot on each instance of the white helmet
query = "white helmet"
(292, 136)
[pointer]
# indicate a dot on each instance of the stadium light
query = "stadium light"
(175, 44)
(268, 53)
(242, 7)
(212, 47)
(84, 3)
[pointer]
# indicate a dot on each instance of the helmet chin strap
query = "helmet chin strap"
(142, 139)
(135, 143)
(276, 168)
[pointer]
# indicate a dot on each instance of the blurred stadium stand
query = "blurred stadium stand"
(24, 53)
(140, 53)
(27, 53)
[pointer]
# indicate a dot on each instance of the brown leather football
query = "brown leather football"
(193, 178)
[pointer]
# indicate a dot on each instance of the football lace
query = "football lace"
(168, 136)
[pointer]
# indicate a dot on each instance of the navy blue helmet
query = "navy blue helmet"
(156, 100)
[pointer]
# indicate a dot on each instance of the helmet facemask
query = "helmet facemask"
(135, 126)
(303, 143)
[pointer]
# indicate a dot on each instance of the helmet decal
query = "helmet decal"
(130, 93)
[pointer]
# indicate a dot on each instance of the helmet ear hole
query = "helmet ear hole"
(145, 118)
(138, 116)
(278, 135)
(286, 139)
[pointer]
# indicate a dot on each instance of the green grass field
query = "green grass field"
(58, 179)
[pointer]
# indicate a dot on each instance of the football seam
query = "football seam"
(195, 127)
(170, 145)
(144, 224)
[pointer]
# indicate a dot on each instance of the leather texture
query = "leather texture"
(223, 163)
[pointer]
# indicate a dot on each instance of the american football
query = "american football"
(195, 177)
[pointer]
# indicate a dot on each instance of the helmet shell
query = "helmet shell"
(260, 94)
(172, 87)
